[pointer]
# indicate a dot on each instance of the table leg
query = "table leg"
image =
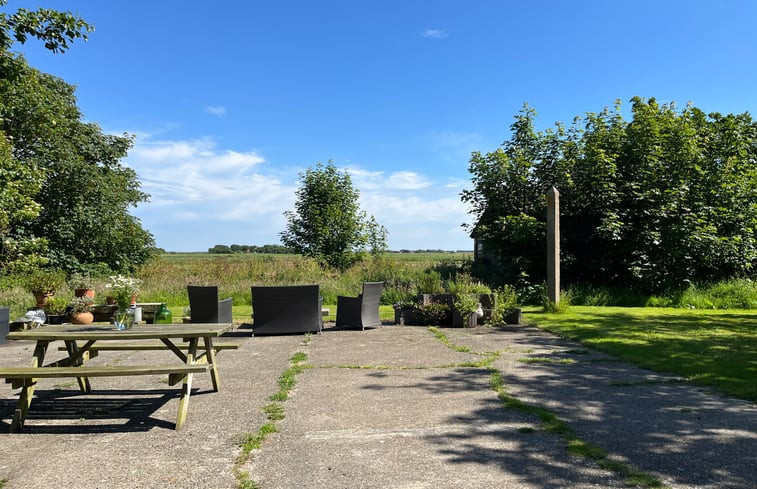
(27, 391)
(210, 354)
(73, 353)
(186, 386)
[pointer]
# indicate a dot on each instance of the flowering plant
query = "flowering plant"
(123, 289)
(82, 304)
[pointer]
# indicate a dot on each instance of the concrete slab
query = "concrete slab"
(388, 407)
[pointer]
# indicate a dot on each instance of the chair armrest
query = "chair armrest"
(224, 310)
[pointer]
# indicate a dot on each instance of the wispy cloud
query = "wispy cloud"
(203, 195)
(217, 110)
(379, 180)
(434, 34)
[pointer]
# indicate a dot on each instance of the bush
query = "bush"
(505, 301)
(562, 307)
(433, 314)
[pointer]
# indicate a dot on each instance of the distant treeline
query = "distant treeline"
(235, 248)
(280, 249)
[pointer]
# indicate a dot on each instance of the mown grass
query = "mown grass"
(710, 347)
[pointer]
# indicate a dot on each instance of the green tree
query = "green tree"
(54, 28)
(327, 223)
(376, 235)
(19, 183)
(21, 180)
(655, 203)
(86, 193)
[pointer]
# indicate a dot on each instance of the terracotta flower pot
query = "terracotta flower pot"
(41, 297)
(85, 293)
(82, 318)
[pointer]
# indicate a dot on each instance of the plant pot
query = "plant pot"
(514, 317)
(472, 320)
(55, 318)
(41, 297)
(82, 317)
(85, 293)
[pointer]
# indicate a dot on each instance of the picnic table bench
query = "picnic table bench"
(82, 342)
(93, 350)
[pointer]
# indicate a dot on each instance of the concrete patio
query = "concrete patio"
(390, 407)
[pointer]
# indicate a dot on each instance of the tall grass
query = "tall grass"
(165, 279)
(730, 294)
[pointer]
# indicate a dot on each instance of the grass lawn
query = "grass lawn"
(714, 348)
(243, 313)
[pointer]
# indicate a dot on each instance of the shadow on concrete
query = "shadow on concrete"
(489, 435)
(133, 408)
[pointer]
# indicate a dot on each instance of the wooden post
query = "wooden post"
(553, 245)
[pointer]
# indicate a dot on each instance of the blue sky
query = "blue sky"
(231, 100)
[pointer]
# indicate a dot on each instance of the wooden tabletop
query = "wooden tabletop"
(109, 332)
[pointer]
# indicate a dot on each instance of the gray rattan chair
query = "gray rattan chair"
(361, 311)
(4, 323)
(286, 309)
(205, 307)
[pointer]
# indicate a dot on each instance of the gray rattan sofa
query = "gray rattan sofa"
(361, 311)
(205, 307)
(286, 309)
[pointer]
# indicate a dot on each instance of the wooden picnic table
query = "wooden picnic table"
(81, 342)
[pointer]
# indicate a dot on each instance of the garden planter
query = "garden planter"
(514, 317)
(85, 293)
(472, 320)
(55, 318)
(82, 318)
(41, 298)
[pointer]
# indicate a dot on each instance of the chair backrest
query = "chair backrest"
(4, 323)
(203, 303)
(286, 309)
(370, 303)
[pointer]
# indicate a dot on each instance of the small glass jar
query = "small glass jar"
(163, 315)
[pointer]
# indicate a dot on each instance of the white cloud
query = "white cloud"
(217, 110)
(202, 195)
(434, 34)
(397, 181)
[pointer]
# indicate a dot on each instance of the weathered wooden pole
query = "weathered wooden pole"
(553, 245)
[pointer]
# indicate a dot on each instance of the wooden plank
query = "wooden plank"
(155, 346)
(106, 371)
(186, 386)
(107, 332)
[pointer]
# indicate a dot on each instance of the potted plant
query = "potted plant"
(506, 310)
(124, 291)
(82, 285)
(468, 307)
(80, 310)
(55, 309)
(43, 282)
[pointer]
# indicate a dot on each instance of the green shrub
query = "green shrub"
(505, 301)
(433, 314)
(466, 304)
(562, 307)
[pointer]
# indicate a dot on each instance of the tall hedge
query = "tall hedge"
(654, 203)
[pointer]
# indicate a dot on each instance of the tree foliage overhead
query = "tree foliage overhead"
(327, 223)
(54, 28)
(657, 202)
(81, 193)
